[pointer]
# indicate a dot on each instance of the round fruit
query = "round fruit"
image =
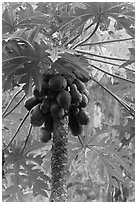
(84, 101)
(45, 106)
(73, 110)
(49, 126)
(70, 80)
(36, 116)
(47, 77)
(83, 117)
(51, 95)
(76, 96)
(86, 92)
(36, 93)
(45, 136)
(80, 85)
(75, 127)
(31, 102)
(56, 110)
(64, 99)
(57, 83)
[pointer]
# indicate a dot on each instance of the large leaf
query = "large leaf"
(112, 160)
(26, 172)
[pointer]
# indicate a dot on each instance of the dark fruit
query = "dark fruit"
(36, 93)
(80, 85)
(76, 96)
(47, 77)
(45, 136)
(64, 99)
(49, 126)
(45, 88)
(45, 106)
(73, 110)
(75, 127)
(51, 95)
(31, 102)
(56, 110)
(83, 117)
(84, 101)
(70, 80)
(36, 116)
(57, 83)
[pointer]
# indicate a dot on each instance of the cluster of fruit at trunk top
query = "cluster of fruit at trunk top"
(60, 95)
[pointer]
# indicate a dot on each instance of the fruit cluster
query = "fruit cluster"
(59, 95)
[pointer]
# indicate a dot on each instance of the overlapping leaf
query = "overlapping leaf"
(26, 172)
(113, 161)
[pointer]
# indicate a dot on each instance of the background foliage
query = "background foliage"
(95, 38)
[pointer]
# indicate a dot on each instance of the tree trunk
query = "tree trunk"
(59, 161)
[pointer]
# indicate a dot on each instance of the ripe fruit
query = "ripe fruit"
(64, 99)
(76, 96)
(56, 110)
(57, 83)
(45, 106)
(80, 85)
(75, 127)
(45, 136)
(36, 116)
(31, 102)
(49, 126)
(84, 101)
(83, 117)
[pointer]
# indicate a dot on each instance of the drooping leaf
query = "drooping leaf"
(25, 171)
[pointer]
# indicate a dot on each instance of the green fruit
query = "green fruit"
(47, 77)
(57, 83)
(45, 106)
(73, 110)
(49, 126)
(31, 102)
(84, 101)
(51, 95)
(36, 116)
(80, 85)
(83, 117)
(64, 99)
(75, 94)
(36, 93)
(70, 80)
(45, 88)
(45, 136)
(75, 127)
(56, 111)
(86, 92)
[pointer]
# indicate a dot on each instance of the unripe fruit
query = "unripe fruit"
(64, 99)
(70, 80)
(76, 96)
(45, 136)
(75, 127)
(47, 77)
(49, 126)
(51, 95)
(36, 116)
(86, 92)
(56, 110)
(45, 106)
(31, 102)
(45, 88)
(80, 85)
(57, 83)
(84, 101)
(73, 110)
(83, 117)
(36, 93)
